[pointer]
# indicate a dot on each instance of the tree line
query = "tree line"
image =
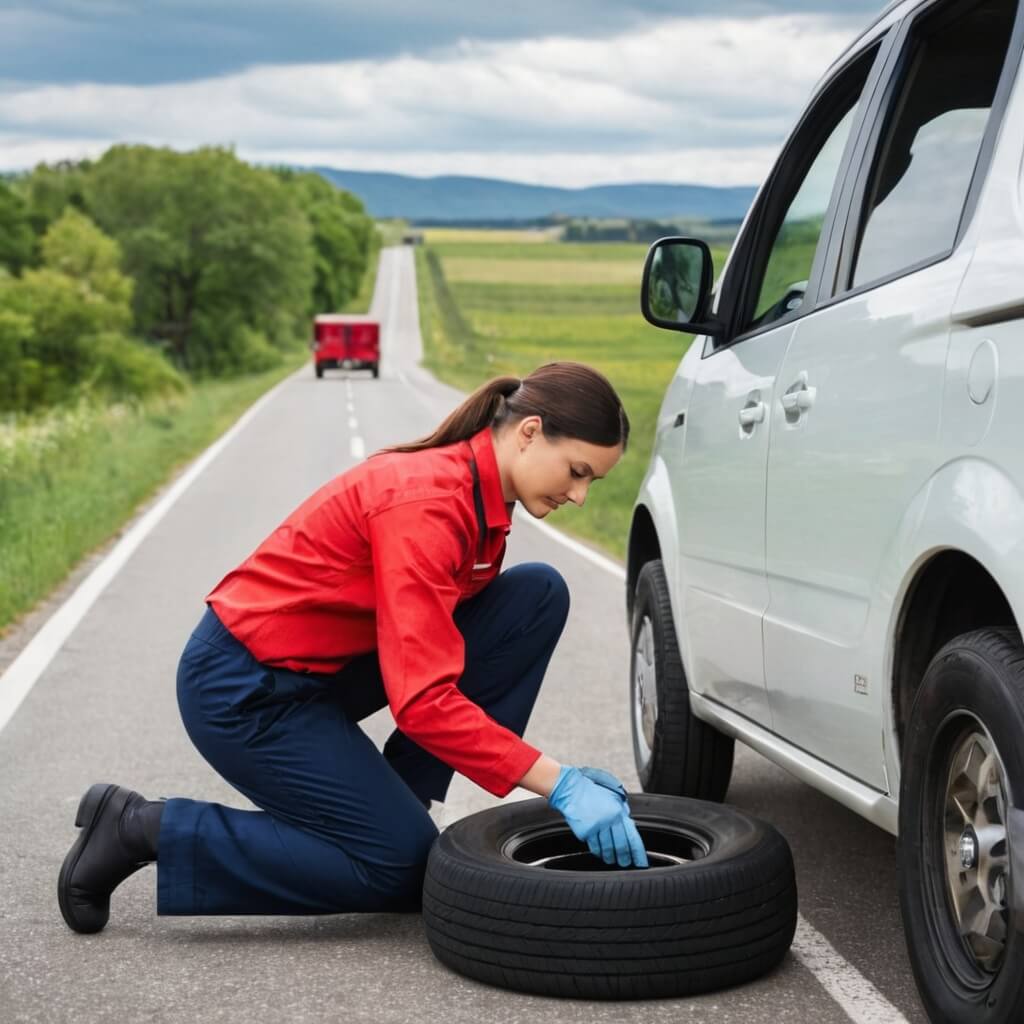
(128, 275)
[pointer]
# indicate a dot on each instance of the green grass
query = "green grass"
(477, 329)
(70, 480)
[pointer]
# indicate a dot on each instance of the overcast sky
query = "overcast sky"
(561, 92)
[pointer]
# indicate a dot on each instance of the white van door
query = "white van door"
(855, 421)
(719, 487)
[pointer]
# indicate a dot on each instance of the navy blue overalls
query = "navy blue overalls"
(342, 826)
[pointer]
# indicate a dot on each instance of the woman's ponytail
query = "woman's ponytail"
(481, 409)
(572, 400)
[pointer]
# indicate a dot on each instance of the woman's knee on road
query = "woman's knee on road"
(541, 587)
(395, 873)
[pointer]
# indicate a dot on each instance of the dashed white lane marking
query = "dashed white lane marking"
(353, 423)
(22, 673)
(357, 447)
(859, 999)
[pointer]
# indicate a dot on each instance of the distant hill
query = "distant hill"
(454, 198)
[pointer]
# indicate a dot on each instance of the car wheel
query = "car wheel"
(513, 899)
(675, 752)
(961, 845)
(376, 371)
(319, 372)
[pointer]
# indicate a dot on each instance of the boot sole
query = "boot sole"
(89, 809)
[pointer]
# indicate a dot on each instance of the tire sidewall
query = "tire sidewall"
(478, 840)
(960, 682)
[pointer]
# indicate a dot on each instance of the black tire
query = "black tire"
(376, 370)
(586, 930)
(319, 371)
(687, 757)
(969, 710)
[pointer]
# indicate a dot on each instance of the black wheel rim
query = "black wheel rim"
(552, 846)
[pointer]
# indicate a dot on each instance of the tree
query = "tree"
(74, 246)
(219, 251)
(17, 239)
(341, 237)
(49, 189)
(63, 326)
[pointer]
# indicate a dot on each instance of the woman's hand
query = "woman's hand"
(594, 805)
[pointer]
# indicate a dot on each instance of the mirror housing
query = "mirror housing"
(676, 287)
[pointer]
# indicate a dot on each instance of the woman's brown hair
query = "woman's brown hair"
(572, 399)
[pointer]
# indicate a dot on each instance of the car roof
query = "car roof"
(893, 11)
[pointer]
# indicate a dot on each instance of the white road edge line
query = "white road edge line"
(29, 665)
(857, 997)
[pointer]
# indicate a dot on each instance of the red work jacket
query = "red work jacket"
(378, 559)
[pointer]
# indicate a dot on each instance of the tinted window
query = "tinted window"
(806, 195)
(930, 146)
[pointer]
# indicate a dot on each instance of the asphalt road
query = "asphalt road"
(104, 710)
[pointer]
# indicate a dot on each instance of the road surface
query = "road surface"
(103, 709)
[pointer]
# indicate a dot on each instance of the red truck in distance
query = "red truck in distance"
(346, 341)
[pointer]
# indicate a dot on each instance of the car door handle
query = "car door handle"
(751, 414)
(798, 401)
(800, 397)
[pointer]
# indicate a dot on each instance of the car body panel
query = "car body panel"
(927, 411)
(721, 575)
(840, 475)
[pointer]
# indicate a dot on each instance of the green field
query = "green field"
(491, 306)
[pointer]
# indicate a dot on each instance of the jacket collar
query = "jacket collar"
(496, 512)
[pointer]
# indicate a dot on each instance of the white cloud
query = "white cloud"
(695, 99)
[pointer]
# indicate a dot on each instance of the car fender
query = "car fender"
(969, 505)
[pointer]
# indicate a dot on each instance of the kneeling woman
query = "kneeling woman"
(383, 588)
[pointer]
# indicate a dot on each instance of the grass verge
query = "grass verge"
(71, 479)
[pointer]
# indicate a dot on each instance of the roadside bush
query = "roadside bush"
(123, 369)
(250, 351)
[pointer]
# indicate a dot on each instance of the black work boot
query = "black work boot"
(119, 835)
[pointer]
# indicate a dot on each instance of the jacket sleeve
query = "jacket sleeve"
(417, 549)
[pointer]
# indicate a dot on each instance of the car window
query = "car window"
(930, 146)
(787, 267)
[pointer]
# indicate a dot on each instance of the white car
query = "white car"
(826, 556)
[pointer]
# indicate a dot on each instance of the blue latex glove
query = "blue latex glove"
(594, 805)
(606, 779)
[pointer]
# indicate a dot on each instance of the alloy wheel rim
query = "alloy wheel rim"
(975, 846)
(645, 691)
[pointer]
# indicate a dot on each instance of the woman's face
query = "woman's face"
(544, 474)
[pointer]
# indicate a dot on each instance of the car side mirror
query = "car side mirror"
(676, 286)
